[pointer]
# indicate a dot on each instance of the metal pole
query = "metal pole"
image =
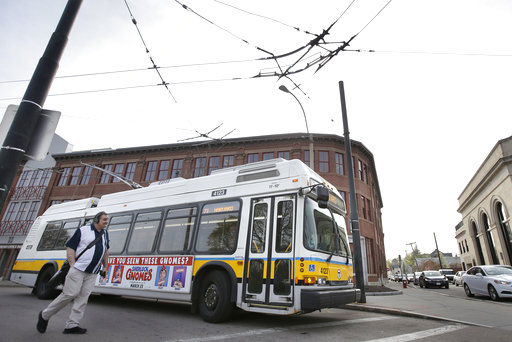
(12, 151)
(354, 216)
(438, 253)
(311, 153)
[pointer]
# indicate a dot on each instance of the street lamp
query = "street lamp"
(311, 153)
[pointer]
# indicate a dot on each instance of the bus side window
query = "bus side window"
(50, 235)
(218, 232)
(66, 232)
(118, 231)
(177, 231)
(144, 232)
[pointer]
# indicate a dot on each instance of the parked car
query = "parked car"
(494, 281)
(410, 277)
(398, 277)
(433, 278)
(448, 272)
(457, 278)
(417, 278)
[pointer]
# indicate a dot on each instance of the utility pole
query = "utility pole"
(354, 216)
(414, 255)
(438, 253)
(23, 127)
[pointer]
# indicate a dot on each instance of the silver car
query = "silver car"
(457, 278)
(494, 281)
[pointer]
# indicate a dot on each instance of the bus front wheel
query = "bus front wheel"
(214, 297)
(41, 289)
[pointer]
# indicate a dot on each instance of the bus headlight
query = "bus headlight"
(321, 281)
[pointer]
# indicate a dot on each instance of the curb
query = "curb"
(406, 313)
(391, 293)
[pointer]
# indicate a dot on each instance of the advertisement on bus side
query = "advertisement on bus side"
(160, 273)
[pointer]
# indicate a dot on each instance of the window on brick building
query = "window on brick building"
(284, 155)
(306, 157)
(75, 175)
(369, 208)
(364, 209)
(151, 171)
(369, 255)
(64, 176)
(200, 167)
(45, 178)
(163, 173)
(229, 161)
(118, 170)
(32, 210)
(130, 170)
(360, 169)
(86, 176)
(177, 166)
(268, 155)
(323, 161)
(105, 177)
(340, 167)
(365, 173)
(214, 164)
(23, 178)
(252, 158)
(34, 177)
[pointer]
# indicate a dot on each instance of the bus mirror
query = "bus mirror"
(322, 196)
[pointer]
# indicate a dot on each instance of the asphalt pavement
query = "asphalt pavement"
(440, 304)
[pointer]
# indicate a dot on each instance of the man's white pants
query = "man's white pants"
(77, 288)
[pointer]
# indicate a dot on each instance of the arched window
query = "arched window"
(478, 245)
(490, 239)
(505, 228)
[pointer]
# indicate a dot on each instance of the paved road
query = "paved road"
(449, 304)
(131, 320)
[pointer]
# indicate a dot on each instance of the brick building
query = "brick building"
(73, 180)
(23, 204)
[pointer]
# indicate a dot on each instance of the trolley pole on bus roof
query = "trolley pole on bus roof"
(13, 149)
(354, 217)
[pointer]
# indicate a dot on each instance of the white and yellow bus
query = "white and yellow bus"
(267, 237)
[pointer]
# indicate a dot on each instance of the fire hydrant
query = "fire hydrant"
(404, 283)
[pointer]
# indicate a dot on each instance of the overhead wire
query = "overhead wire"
(296, 28)
(134, 21)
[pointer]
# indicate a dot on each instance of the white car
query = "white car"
(457, 278)
(494, 281)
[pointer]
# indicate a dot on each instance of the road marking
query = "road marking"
(420, 334)
(283, 329)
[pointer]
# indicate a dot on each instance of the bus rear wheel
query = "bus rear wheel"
(214, 297)
(41, 290)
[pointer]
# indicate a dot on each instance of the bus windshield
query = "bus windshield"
(324, 230)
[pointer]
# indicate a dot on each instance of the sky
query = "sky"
(430, 102)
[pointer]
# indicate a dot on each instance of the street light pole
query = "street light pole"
(311, 153)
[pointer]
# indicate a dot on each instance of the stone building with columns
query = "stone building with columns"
(484, 235)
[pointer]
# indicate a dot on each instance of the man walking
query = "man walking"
(82, 273)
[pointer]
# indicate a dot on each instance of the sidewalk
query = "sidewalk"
(432, 304)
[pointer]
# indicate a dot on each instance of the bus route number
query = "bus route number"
(220, 192)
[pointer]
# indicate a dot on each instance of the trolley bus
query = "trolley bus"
(267, 237)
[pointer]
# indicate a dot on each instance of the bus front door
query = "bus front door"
(268, 277)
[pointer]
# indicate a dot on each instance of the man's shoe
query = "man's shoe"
(75, 330)
(42, 323)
